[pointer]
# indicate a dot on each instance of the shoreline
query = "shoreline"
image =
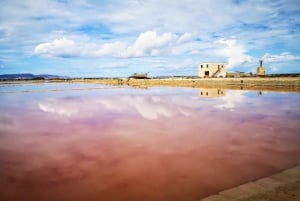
(288, 84)
(284, 84)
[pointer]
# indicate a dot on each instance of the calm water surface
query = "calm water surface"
(85, 142)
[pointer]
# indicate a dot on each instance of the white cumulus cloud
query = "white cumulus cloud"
(114, 49)
(59, 47)
(234, 52)
(285, 56)
(147, 43)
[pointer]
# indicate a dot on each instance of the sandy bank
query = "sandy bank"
(254, 83)
(287, 84)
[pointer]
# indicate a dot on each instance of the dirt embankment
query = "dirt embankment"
(255, 83)
(288, 84)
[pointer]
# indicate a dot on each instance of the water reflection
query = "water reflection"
(230, 101)
(148, 107)
(211, 92)
(153, 145)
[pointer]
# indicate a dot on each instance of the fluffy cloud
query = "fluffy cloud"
(285, 56)
(60, 47)
(114, 49)
(147, 44)
(234, 52)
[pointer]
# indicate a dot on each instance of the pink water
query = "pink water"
(122, 144)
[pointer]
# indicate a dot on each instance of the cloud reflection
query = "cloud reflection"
(231, 99)
(148, 107)
(60, 107)
(109, 143)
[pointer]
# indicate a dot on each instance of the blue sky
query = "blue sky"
(109, 38)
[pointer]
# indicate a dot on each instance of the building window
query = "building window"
(222, 66)
(218, 66)
(206, 65)
(201, 66)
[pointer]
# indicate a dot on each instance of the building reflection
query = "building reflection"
(211, 92)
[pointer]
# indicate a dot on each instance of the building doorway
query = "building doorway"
(206, 73)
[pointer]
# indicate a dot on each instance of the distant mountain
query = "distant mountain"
(28, 76)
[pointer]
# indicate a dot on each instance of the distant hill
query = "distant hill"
(28, 76)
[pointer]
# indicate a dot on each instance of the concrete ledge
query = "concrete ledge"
(278, 187)
(215, 198)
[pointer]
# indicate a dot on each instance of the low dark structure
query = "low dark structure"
(139, 76)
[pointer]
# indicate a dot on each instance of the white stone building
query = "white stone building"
(212, 69)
